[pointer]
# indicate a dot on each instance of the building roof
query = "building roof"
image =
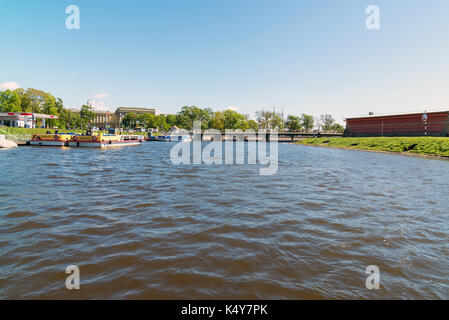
(29, 114)
(136, 110)
(397, 114)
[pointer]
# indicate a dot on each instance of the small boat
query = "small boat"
(180, 138)
(51, 140)
(76, 140)
(175, 138)
(163, 138)
(105, 140)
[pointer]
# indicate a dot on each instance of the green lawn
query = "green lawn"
(28, 131)
(432, 146)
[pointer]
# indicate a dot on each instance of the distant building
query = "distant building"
(105, 119)
(123, 111)
(24, 119)
(126, 110)
(410, 124)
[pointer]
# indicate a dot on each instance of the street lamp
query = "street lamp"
(424, 119)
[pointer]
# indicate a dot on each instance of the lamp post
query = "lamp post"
(424, 119)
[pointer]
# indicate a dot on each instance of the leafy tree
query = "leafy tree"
(129, 120)
(146, 120)
(307, 122)
(293, 123)
(277, 122)
(86, 112)
(188, 115)
(338, 128)
(264, 118)
(77, 122)
(234, 120)
(327, 122)
(25, 105)
(10, 101)
(65, 118)
(36, 100)
(269, 120)
(171, 120)
(252, 124)
(217, 121)
(162, 122)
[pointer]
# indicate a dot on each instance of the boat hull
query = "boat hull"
(90, 141)
(180, 139)
(48, 143)
(103, 144)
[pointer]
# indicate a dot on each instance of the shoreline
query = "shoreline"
(407, 154)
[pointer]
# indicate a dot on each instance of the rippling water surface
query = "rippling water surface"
(139, 227)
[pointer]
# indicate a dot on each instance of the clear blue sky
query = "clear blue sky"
(300, 56)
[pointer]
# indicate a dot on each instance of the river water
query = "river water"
(138, 226)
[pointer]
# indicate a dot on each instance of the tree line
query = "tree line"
(38, 101)
(230, 119)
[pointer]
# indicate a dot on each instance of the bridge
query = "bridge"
(292, 135)
(282, 136)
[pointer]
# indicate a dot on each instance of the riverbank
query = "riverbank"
(435, 147)
(30, 131)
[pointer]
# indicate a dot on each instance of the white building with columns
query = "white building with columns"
(23, 119)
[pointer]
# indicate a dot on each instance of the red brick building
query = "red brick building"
(412, 124)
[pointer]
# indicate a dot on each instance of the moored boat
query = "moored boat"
(180, 138)
(52, 140)
(104, 140)
(163, 138)
(174, 136)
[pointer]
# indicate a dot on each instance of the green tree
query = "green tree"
(162, 123)
(172, 120)
(307, 122)
(146, 120)
(338, 128)
(77, 122)
(293, 123)
(10, 101)
(276, 122)
(252, 124)
(264, 119)
(86, 112)
(188, 115)
(36, 100)
(327, 122)
(217, 121)
(234, 120)
(269, 120)
(129, 120)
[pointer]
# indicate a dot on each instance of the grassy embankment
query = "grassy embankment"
(427, 146)
(29, 131)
